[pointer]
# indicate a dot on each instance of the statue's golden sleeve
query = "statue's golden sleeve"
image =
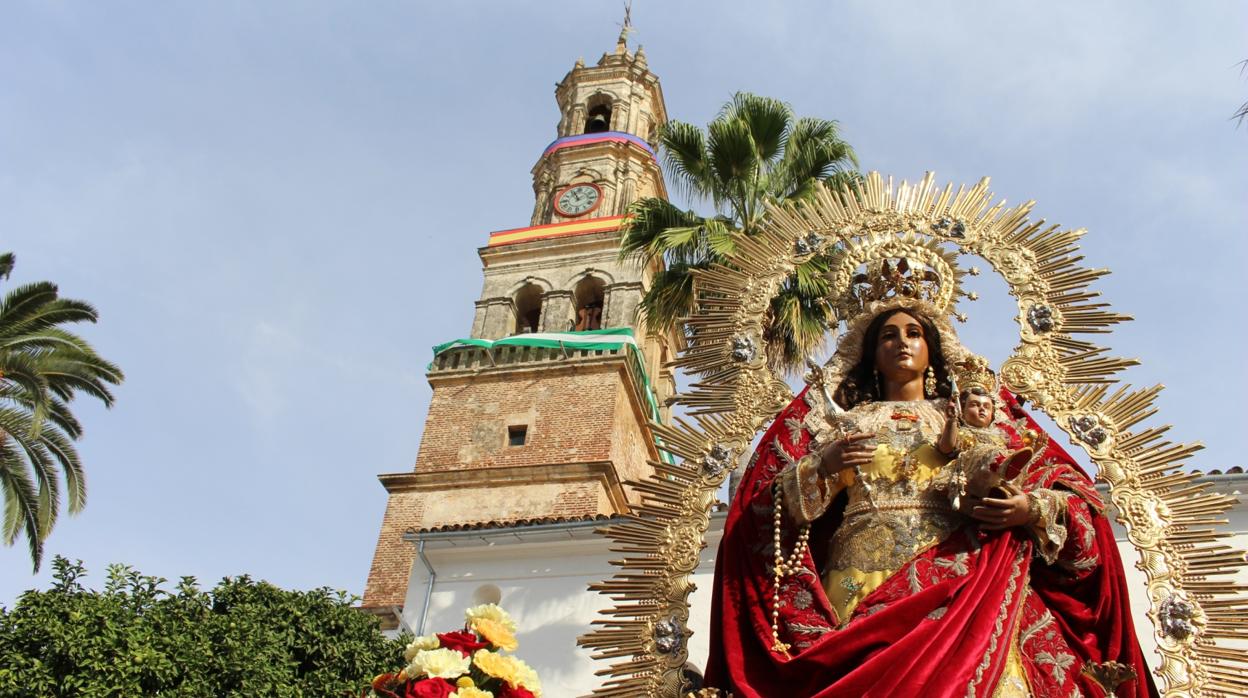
(808, 492)
(1048, 524)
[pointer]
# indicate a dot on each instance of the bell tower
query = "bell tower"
(603, 158)
(540, 414)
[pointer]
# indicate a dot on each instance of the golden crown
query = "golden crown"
(896, 267)
(894, 278)
(975, 372)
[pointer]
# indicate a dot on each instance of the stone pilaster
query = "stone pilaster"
(497, 318)
(621, 310)
(557, 310)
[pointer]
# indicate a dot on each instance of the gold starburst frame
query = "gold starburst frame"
(1173, 522)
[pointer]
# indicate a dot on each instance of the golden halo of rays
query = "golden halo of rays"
(1174, 523)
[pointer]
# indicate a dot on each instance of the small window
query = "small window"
(516, 434)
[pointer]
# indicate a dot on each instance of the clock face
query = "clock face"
(578, 200)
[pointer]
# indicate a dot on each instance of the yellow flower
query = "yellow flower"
(510, 669)
(497, 665)
(465, 682)
(424, 642)
(526, 676)
(495, 633)
(492, 612)
(471, 692)
(439, 663)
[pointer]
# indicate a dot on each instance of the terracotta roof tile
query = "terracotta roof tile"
(513, 523)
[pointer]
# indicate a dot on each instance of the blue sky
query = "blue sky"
(276, 208)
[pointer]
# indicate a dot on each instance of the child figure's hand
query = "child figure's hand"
(948, 442)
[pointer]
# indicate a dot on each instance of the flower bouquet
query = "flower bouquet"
(468, 663)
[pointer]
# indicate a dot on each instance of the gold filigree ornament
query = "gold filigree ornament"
(1195, 606)
(1109, 675)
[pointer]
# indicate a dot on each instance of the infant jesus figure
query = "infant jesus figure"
(983, 466)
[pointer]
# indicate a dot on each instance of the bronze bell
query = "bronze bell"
(597, 124)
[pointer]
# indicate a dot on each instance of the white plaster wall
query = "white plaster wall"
(544, 587)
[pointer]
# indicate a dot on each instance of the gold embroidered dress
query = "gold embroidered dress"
(898, 504)
(898, 508)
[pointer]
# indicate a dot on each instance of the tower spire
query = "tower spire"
(626, 28)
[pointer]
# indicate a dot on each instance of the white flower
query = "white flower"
(424, 642)
(440, 663)
(491, 612)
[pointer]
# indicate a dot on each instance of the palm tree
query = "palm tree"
(755, 152)
(42, 368)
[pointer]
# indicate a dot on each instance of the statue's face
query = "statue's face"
(977, 410)
(901, 350)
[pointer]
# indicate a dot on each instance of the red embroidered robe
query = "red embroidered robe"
(941, 625)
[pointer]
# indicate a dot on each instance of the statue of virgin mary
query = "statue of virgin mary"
(853, 562)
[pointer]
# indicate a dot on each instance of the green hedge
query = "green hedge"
(242, 639)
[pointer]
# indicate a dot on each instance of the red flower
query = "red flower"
(429, 688)
(466, 643)
(508, 692)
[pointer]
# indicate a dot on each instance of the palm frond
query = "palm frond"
(21, 503)
(810, 278)
(67, 375)
(815, 151)
(47, 315)
(721, 237)
(58, 413)
(15, 424)
(797, 327)
(734, 163)
(684, 154)
(25, 372)
(646, 236)
(669, 298)
(767, 121)
(62, 449)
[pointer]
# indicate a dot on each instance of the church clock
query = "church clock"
(578, 199)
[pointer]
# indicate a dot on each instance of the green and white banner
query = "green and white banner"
(612, 338)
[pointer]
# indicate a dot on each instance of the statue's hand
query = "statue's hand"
(947, 444)
(995, 514)
(846, 452)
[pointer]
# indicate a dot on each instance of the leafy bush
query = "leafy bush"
(242, 639)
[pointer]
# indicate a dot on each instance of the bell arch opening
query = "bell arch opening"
(528, 303)
(589, 297)
(598, 114)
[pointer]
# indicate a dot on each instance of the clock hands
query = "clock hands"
(578, 199)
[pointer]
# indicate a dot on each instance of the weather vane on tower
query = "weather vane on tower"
(626, 27)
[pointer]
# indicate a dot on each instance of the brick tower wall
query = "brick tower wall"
(584, 436)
